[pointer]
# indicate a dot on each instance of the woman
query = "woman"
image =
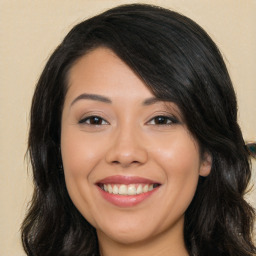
(135, 145)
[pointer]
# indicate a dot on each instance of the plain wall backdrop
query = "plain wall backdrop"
(30, 31)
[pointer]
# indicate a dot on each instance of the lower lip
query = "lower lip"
(126, 201)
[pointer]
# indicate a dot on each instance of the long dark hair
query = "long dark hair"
(179, 62)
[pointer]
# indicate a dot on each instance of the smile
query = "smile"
(128, 190)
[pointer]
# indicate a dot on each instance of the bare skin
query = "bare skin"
(112, 126)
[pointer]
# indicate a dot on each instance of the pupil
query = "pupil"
(161, 120)
(96, 120)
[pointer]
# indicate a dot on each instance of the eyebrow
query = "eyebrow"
(97, 97)
(151, 101)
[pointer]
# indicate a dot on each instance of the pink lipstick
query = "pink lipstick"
(126, 191)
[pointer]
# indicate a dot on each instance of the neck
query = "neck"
(164, 244)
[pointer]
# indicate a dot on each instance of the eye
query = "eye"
(162, 120)
(93, 120)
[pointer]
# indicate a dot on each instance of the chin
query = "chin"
(124, 235)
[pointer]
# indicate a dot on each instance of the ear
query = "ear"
(206, 165)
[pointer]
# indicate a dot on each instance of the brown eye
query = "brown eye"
(162, 120)
(93, 120)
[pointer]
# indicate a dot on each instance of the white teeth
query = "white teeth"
(122, 190)
(139, 190)
(110, 190)
(130, 190)
(145, 189)
(115, 190)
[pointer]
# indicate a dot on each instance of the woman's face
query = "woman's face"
(131, 165)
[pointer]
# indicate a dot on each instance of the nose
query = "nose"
(127, 149)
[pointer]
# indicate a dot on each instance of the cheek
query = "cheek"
(79, 152)
(179, 155)
(80, 156)
(179, 158)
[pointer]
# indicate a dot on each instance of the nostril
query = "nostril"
(126, 156)
(125, 163)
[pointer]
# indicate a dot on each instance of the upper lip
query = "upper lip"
(126, 180)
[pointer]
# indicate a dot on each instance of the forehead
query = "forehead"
(101, 71)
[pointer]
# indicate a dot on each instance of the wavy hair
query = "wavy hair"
(179, 62)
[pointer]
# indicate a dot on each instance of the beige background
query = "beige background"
(29, 32)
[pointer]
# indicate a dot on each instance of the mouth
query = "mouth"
(128, 190)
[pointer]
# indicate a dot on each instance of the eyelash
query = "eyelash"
(164, 120)
(161, 119)
(97, 119)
